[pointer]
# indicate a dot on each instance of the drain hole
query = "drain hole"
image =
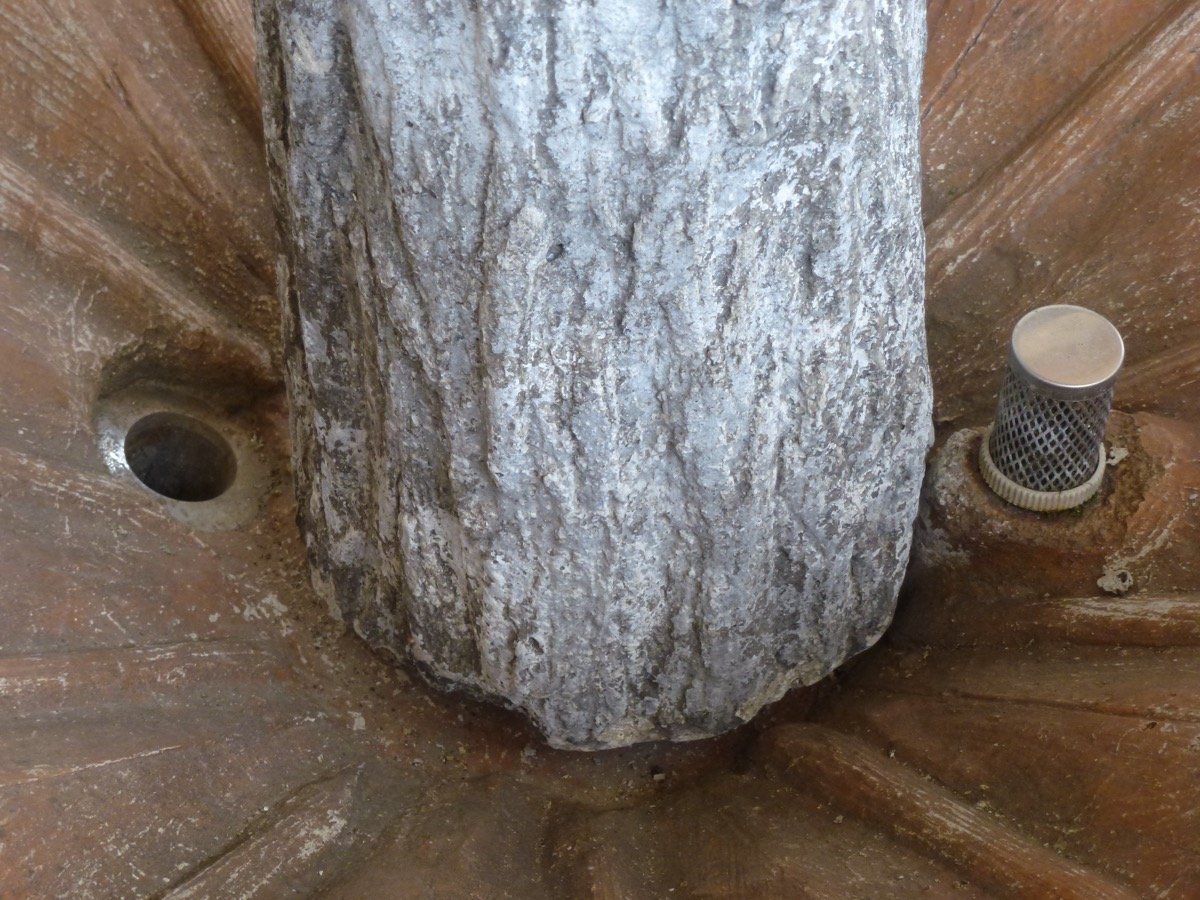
(179, 457)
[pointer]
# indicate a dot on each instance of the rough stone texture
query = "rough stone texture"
(604, 341)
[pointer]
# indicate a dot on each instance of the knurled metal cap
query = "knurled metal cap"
(1038, 501)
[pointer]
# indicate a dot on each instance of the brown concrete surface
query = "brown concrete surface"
(182, 718)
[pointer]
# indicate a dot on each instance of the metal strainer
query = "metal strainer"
(1045, 451)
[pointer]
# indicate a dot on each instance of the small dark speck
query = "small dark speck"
(555, 252)
(409, 124)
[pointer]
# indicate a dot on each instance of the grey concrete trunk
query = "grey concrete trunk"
(605, 342)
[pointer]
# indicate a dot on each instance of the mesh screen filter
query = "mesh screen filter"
(1044, 443)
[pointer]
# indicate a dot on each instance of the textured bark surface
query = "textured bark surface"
(604, 341)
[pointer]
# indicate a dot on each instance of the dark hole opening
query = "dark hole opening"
(179, 457)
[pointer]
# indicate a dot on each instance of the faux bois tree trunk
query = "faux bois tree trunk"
(605, 343)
